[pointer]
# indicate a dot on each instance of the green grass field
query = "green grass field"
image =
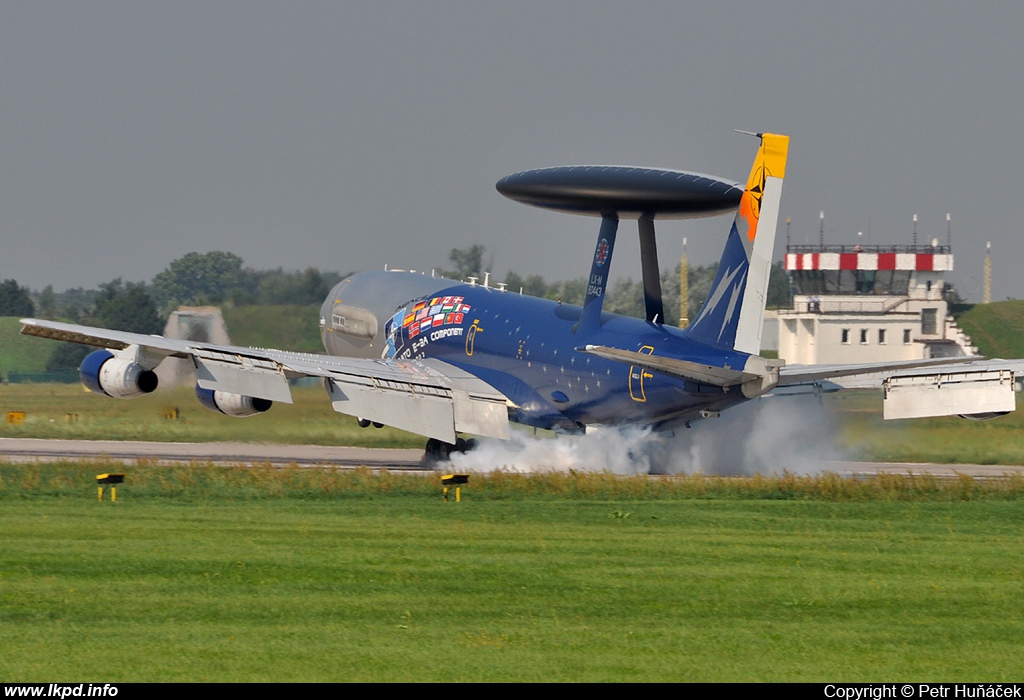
(996, 328)
(861, 433)
(21, 353)
(311, 420)
(285, 327)
(213, 574)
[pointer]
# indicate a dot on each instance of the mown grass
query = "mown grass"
(863, 434)
(995, 328)
(286, 327)
(21, 353)
(310, 575)
(310, 420)
(208, 482)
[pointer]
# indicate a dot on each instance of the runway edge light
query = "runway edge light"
(113, 480)
(456, 480)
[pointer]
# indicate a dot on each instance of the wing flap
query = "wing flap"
(421, 412)
(972, 393)
(262, 380)
(440, 406)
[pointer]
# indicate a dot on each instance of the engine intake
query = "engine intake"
(103, 373)
(230, 404)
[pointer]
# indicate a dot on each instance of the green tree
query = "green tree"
(119, 307)
(67, 356)
(779, 296)
(75, 304)
(47, 303)
(127, 307)
(469, 262)
(301, 288)
(196, 279)
(15, 300)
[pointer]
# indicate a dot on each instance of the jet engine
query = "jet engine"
(982, 416)
(230, 404)
(104, 373)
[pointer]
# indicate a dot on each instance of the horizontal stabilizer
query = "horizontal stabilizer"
(692, 371)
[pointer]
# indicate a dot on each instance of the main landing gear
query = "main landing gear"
(438, 451)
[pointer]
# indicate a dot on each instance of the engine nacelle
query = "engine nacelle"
(106, 374)
(983, 416)
(230, 404)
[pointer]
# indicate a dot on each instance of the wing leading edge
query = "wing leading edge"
(428, 397)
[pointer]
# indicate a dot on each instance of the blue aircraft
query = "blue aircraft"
(445, 358)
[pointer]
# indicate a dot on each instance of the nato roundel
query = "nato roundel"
(625, 191)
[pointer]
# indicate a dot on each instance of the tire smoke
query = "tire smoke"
(796, 434)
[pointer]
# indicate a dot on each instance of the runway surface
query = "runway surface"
(26, 450)
(17, 449)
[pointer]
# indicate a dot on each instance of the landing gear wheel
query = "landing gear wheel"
(437, 451)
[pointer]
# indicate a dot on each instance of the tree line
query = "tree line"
(196, 279)
(220, 278)
(625, 296)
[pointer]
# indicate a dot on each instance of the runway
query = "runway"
(22, 450)
(233, 453)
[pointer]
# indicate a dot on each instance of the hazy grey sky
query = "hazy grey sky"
(349, 135)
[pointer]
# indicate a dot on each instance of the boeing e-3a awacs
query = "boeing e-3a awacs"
(443, 358)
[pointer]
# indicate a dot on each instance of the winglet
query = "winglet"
(733, 313)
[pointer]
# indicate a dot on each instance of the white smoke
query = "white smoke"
(605, 450)
(796, 434)
(768, 436)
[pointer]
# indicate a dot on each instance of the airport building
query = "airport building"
(854, 304)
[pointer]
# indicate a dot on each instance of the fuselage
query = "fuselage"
(526, 348)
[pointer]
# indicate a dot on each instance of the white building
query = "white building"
(868, 304)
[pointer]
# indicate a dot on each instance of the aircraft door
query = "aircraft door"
(637, 375)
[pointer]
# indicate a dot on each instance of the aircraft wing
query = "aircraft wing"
(875, 372)
(967, 386)
(970, 387)
(428, 397)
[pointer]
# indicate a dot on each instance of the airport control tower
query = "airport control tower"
(865, 303)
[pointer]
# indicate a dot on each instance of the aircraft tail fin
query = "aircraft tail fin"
(733, 313)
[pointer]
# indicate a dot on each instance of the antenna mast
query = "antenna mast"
(684, 289)
(987, 298)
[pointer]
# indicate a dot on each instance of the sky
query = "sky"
(353, 135)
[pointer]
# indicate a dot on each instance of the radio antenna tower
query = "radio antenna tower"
(987, 298)
(684, 289)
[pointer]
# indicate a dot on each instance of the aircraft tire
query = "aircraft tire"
(438, 451)
(466, 444)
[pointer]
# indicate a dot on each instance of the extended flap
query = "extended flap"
(260, 379)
